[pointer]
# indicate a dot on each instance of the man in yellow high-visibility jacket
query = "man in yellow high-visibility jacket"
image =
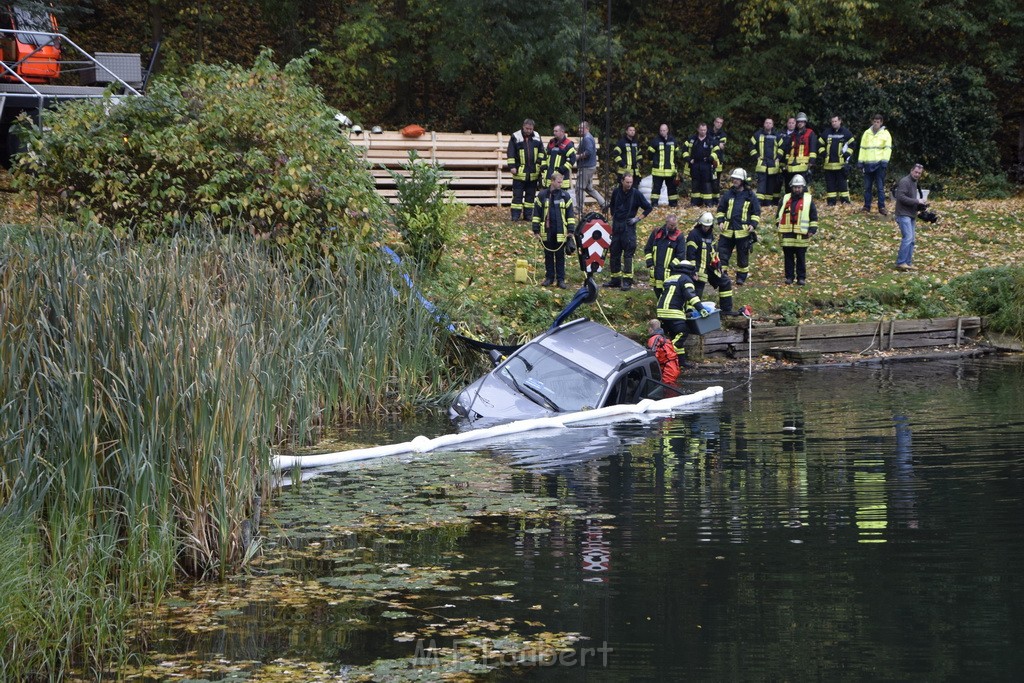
(873, 155)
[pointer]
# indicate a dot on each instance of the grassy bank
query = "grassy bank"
(142, 391)
(851, 274)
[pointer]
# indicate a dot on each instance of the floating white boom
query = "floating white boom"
(422, 444)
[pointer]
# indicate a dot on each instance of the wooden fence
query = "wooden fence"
(882, 335)
(476, 162)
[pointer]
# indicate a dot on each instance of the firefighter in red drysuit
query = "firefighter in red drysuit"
(664, 351)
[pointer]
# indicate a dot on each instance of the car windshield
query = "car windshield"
(33, 21)
(549, 379)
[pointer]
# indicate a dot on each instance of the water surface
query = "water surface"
(836, 524)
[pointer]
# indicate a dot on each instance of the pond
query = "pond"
(825, 524)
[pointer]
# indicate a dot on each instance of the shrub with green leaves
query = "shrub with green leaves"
(997, 293)
(248, 149)
(427, 211)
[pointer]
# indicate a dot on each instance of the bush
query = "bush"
(927, 109)
(997, 293)
(427, 211)
(254, 150)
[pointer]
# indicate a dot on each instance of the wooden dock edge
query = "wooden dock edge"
(881, 335)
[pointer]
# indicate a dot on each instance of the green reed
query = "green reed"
(142, 391)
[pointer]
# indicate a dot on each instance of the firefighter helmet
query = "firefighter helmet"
(739, 174)
(376, 129)
(357, 129)
(801, 117)
(798, 180)
(706, 219)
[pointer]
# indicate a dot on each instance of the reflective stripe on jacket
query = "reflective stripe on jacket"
(795, 222)
(700, 251)
(766, 148)
(553, 210)
(561, 157)
(739, 212)
(663, 156)
(627, 156)
(679, 295)
(874, 147)
(661, 251)
(525, 156)
(836, 148)
(801, 147)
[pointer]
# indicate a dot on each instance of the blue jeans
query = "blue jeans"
(874, 179)
(906, 254)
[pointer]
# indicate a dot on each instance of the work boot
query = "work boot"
(801, 282)
(627, 284)
(516, 214)
(741, 279)
(683, 363)
(789, 280)
(614, 282)
(527, 215)
(547, 282)
(883, 211)
(562, 285)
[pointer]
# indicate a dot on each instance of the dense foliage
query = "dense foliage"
(250, 149)
(948, 73)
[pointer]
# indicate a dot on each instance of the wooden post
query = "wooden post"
(892, 331)
(959, 329)
(798, 335)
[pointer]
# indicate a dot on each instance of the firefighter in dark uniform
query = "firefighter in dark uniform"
(677, 300)
(701, 157)
(561, 156)
(525, 162)
(665, 246)
(798, 221)
(700, 251)
(662, 153)
(720, 137)
(835, 149)
(554, 224)
(739, 213)
(626, 201)
(627, 155)
(766, 148)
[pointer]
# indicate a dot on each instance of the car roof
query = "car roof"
(598, 348)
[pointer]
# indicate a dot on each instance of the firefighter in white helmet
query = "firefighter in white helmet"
(739, 213)
(798, 222)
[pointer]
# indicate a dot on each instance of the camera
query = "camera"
(928, 216)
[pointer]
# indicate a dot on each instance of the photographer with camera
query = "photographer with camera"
(909, 204)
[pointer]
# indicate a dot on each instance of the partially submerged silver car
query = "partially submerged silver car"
(576, 366)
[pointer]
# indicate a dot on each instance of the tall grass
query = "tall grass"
(142, 389)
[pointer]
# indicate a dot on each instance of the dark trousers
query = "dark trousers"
(702, 185)
(623, 247)
(837, 187)
(769, 187)
(742, 247)
(796, 262)
(722, 283)
(676, 331)
(673, 189)
(554, 260)
(874, 180)
(523, 193)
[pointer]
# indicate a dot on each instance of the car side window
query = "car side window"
(628, 388)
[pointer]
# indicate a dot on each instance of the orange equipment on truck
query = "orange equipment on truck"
(30, 50)
(41, 68)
